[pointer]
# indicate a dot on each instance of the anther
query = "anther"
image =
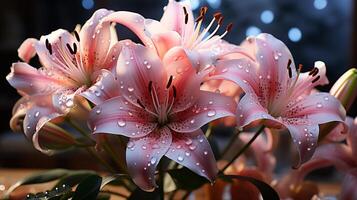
(48, 46)
(289, 68)
(184, 10)
(174, 91)
(312, 71)
(76, 35)
(203, 10)
(217, 15)
(229, 27)
(169, 82)
(316, 79)
(72, 51)
(140, 104)
(150, 86)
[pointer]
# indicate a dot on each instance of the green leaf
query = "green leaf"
(73, 178)
(267, 192)
(41, 177)
(88, 188)
(186, 179)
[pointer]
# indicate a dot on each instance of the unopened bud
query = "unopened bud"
(345, 88)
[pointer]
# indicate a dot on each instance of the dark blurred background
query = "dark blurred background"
(312, 29)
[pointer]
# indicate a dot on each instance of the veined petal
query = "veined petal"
(316, 108)
(137, 67)
(305, 139)
(95, 39)
(113, 55)
(40, 110)
(118, 116)
(193, 151)
(174, 18)
(352, 135)
(144, 154)
(208, 107)
(250, 112)
(105, 88)
(165, 41)
(134, 22)
(27, 49)
(30, 80)
(349, 185)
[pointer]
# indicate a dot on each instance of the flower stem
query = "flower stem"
(231, 142)
(242, 150)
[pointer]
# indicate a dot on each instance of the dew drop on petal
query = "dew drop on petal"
(148, 66)
(205, 152)
(319, 105)
(187, 153)
(326, 98)
(37, 114)
(153, 160)
(211, 113)
(197, 164)
(192, 147)
(180, 158)
(98, 111)
(130, 145)
(192, 121)
(203, 171)
(121, 123)
(144, 147)
(130, 89)
(210, 102)
(97, 93)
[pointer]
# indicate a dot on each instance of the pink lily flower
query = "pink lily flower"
(178, 30)
(278, 95)
(337, 154)
(161, 109)
(71, 64)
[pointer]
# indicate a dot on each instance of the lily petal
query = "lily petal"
(27, 49)
(30, 80)
(144, 154)
(352, 135)
(105, 88)
(118, 116)
(208, 107)
(193, 151)
(95, 39)
(174, 18)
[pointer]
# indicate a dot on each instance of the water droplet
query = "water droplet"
(205, 152)
(131, 58)
(203, 171)
(210, 102)
(153, 160)
(180, 158)
(326, 98)
(200, 140)
(37, 114)
(211, 113)
(148, 66)
(28, 127)
(224, 70)
(308, 148)
(187, 153)
(144, 147)
(69, 103)
(240, 66)
(145, 62)
(121, 123)
(192, 147)
(127, 62)
(130, 89)
(247, 70)
(145, 168)
(197, 164)
(192, 121)
(130, 145)
(102, 87)
(97, 93)
(98, 111)
(188, 141)
(179, 146)
(319, 105)
(305, 129)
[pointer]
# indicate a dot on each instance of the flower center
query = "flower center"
(198, 39)
(68, 61)
(161, 109)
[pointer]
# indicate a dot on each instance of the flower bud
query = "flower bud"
(345, 88)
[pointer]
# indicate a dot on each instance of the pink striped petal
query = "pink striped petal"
(305, 139)
(113, 55)
(30, 80)
(165, 41)
(27, 49)
(137, 67)
(95, 40)
(118, 116)
(132, 21)
(208, 107)
(193, 151)
(106, 87)
(144, 154)
(174, 18)
(316, 108)
(349, 183)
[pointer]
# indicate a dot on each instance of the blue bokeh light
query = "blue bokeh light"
(87, 4)
(252, 31)
(320, 4)
(295, 34)
(194, 3)
(214, 3)
(267, 16)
